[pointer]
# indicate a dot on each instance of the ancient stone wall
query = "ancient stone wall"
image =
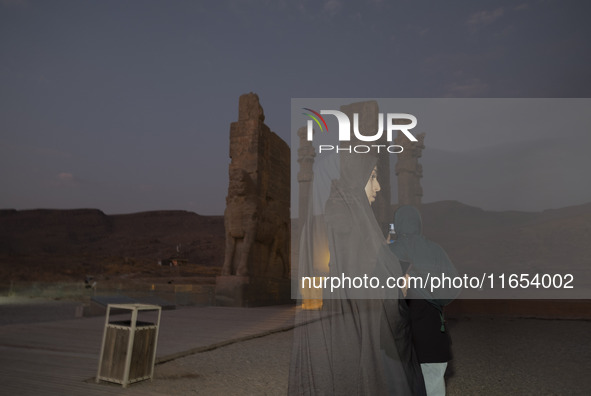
(257, 217)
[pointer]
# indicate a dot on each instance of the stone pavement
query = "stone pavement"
(493, 355)
(60, 357)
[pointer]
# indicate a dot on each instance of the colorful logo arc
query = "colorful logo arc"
(316, 118)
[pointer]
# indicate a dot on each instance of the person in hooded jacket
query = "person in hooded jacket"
(424, 258)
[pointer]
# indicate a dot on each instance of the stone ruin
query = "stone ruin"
(409, 171)
(306, 154)
(256, 266)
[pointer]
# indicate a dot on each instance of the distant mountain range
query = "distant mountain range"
(550, 242)
(69, 244)
(473, 236)
(528, 175)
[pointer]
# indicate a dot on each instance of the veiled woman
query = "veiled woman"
(359, 343)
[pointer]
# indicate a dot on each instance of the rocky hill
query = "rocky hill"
(482, 240)
(53, 245)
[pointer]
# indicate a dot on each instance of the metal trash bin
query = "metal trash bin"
(128, 351)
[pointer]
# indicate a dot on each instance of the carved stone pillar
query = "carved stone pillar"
(257, 220)
(409, 171)
(306, 154)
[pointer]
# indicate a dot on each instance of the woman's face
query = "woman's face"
(372, 187)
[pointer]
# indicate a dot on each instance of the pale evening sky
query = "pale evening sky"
(125, 106)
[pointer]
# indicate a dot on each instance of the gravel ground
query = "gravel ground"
(255, 367)
(503, 356)
(492, 356)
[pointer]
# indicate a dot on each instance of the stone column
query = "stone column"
(257, 221)
(409, 171)
(306, 154)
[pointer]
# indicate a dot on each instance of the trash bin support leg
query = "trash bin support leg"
(129, 348)
(98, 373)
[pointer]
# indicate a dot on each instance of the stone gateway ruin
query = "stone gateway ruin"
(257, 268)
(256, 265)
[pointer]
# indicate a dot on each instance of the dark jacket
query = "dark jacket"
(419, 256)
(431, 344)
